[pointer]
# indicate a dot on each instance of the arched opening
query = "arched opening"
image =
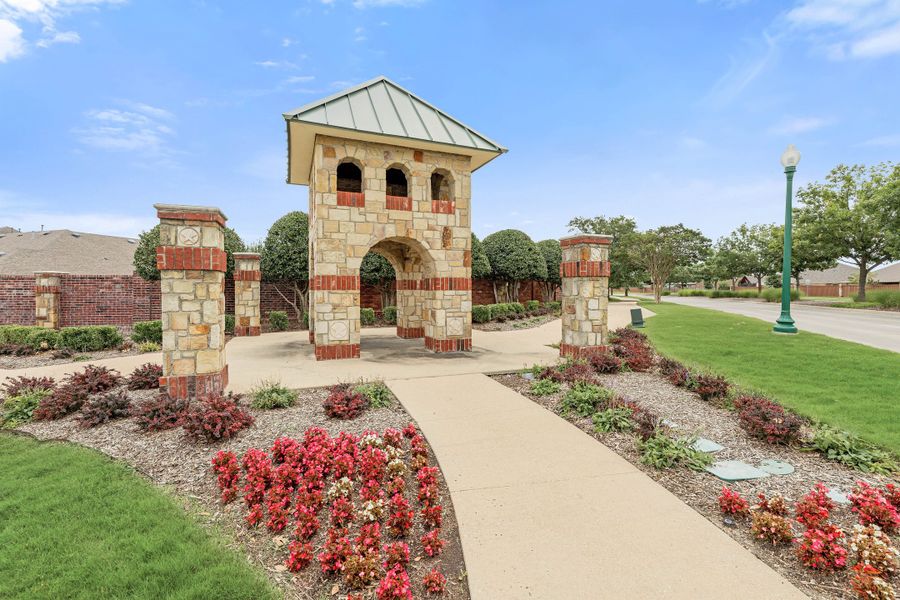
(442, 192)
(349, 178)
(396, 182)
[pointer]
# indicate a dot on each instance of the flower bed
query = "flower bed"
(639, 402)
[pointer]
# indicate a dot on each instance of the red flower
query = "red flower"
(432, 543)
(822, 548)
(395, 585)
(435, 582)
(301, 554)
(732, 503)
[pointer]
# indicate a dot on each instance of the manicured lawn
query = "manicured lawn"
(74, 524)
(848, 385)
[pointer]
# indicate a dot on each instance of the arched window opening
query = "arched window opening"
(396, 183)
(442, 193)
(349, 178)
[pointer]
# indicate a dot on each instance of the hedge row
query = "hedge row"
(768, 294)
(482, 313)
(80, 339)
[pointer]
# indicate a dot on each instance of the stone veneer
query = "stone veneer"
(585, 283)
(192, 264)
(427, 240)
(46, 299)
(246, 294)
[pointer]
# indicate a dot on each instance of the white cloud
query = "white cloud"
(275, 64)
(287, 42)
(11, 42)
(845, 29)
(59, 37)
(142, 129)
(359, 34)
(743, 72)
(883, 141)
(797, 125)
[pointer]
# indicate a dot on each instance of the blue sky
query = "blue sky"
(666, 111)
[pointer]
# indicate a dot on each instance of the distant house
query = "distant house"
(889, 274)
(24, 253)
(840, 274)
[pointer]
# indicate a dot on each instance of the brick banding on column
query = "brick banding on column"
(337, 351)
(46, 289)
(451, 345)
(570, 351)
(246, 330)
(410, 332)
(446, 207)
(586, 239)
(584, 268)
(191, 258)
(194, 386)
(189, 215)
(447, 284)
(410, 285)
(335, 282)
(247, 276)
(398, 202)
(354, 199)
(246, 294)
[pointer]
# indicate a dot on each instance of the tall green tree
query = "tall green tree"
(662, 250)
(624, 271)
(806, 253)
(481, 266)
(847, 215)
(747, 252)
(514, 258)
(285, 260)
(378, 272)
(145, 254)
(552, 252)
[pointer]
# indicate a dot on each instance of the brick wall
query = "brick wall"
(16, 299)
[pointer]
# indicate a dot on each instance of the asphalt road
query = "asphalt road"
(880, 329)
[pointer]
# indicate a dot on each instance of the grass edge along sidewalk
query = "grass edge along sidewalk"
(843, 384)
(75, 524)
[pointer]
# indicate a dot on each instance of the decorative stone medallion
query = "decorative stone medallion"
(339, 331)
(455, 326)
(188, 236)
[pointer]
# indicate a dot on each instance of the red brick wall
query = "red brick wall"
(483, 291)
(16, 300)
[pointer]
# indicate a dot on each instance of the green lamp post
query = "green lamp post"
(784, 323)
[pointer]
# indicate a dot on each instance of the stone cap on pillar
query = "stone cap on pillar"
(50, 273)
(187, 212)
(247, 255)
(586, 238)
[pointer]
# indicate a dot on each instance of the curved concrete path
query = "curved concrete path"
(547, 512)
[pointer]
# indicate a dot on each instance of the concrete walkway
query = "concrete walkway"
(547, 512)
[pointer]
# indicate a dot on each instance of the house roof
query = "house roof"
(888, 274)
(24, 253)
(373, 111)
(838, 274)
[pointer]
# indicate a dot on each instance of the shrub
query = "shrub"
(146, 347)
(774, 504)
(662, 451)
(105, 408)
(850, 450)
(300, 554)
(873, 508)
(582, 398)
(16, 386)
(229, 324)
(637, 356)
(367, 316)
(395, 585)
(823, 548)
(160, 413)
(554, 306)
(147, 331)
(145, 377)
(774, 295)
(605, 362)
(216, 417)
(711, 387)
(271, 394)
(16, 335)
(389, 314)
(613, 419)
(681, 377)
(95, 379)
(771, 527)
(532, 305)
(481, 313)
(668, 366)
(434, 582)
(869, 586)
(518, 308)
(732, 503)
(544, 387)
(376, 393)
(278, 320)
(19, 409)
(64, 400)
(814, 508)
(765, 420)
(89, 338)
(647, 424)
(870, 546)
(344, 403)
(16, 350)
(885, 298)
(628, 334)
(42, 338)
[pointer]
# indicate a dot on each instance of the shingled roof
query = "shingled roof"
(380, 109)
(23, 253)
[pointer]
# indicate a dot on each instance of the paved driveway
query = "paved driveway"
(880, 329)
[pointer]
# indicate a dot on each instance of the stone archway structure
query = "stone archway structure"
(425, 234)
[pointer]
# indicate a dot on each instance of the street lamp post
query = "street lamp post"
(784, 323)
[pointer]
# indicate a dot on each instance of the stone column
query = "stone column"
(46, 299)
(192, 263)
(246, 293)
(585, 282)
(448, 314)
(410, 303)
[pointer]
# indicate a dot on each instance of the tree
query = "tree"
(145, 254)
(624, 271)
(514, 258)
(552, 252)
(660, 251)
(285, 260)
(847, 215)
(378, 272)
(806, 253)
(481, 266)
(747, 252)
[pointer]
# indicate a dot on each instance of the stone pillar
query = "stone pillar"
(585, 282)
(46, 299)
(192, 263)
(246, 293)
(410, 301)
(448, 314)
(336, 301)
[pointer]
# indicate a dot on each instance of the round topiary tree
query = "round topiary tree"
(378, 272)
(481, 266)
(285, 260)
(552, 252)
(145, 254)
(514, 258)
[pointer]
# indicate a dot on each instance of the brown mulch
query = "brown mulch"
(515, 324)
(692, 416)
(170, 460)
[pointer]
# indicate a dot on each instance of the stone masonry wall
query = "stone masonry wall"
(46, 299)
(585, 273)
(246, 294)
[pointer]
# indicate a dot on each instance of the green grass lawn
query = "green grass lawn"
(74, 524)
(848, 385)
